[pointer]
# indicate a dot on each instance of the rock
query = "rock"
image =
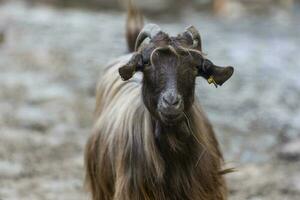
(9, 169)
(33, 118)
(295, 184)
(290, 151)
(291, 185)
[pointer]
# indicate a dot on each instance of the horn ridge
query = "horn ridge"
(150, 30)
(195, 35)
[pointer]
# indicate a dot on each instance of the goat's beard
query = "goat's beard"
(172, 140)
(180, 127)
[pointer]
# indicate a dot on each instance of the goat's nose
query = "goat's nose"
(173, 100)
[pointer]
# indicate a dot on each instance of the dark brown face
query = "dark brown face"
(170, 66)
(169, 85)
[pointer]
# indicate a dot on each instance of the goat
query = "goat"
(151, 139)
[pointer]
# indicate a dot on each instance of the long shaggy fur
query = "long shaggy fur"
(131, 156)
(126, 161)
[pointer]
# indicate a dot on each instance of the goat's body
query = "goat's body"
(126, 159)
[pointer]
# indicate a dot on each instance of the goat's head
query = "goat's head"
(170, 66)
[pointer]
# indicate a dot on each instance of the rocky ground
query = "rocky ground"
(49, 63)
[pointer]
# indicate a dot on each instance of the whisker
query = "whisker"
(200, 157)
(191, 131)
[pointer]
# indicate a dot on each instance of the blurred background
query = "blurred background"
(52, 53)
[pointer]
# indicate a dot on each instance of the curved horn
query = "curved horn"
(193, 32)
(150, 30)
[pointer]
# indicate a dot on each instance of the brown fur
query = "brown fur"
(131, 155)
(123, 161)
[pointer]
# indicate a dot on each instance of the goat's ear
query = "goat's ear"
(134, 64)
(215, 74)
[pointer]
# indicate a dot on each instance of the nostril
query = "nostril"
(165, 100)
(178, 101)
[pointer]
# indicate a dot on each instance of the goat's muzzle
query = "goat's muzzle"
(170, 107)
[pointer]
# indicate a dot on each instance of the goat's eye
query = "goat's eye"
(146, 63)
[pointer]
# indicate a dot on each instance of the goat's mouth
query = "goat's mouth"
(171, 118)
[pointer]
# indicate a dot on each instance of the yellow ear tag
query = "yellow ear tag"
(211, 80)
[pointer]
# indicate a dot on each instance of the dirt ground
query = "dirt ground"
(49, 65)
